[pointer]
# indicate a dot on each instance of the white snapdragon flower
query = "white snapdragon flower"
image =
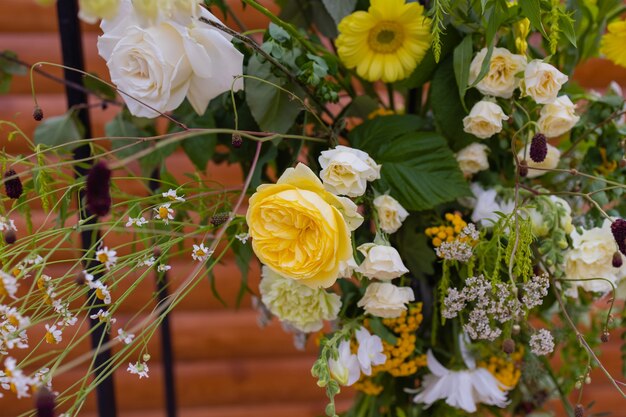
(370, 352)
(390, 213)
(346, 171)
(346, 369)
(381, 262)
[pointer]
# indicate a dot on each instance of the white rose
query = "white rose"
(350, 214)
(91, 11)
(162, 64)
(385, 299)
(345, 171)
(591, 256)
(558, 117)
(473, 159)
(381, 262)
(552, 160)
(485, 119)
(501, 79)
(542, 81)
(390, 213)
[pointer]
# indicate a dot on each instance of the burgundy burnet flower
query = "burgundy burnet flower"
(44, 402)
(12, 184)
(618, 228)
(98, 192)
(538, 148)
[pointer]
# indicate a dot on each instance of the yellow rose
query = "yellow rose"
(298, 230)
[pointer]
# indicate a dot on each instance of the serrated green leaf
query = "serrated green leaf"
(338, 9)
(462, 60)
(273, 109)
(418, 167)
(58, 130)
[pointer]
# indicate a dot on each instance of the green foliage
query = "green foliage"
(59, 130)
(339, 9)
(43, 180)
(463, 55)
(9, 68)
(519, 247)
(94, 84)
(413, 246)
(437, 13)
(418, 167)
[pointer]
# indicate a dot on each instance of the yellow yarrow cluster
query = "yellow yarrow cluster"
(380, 112)
(367, 386)
(506, 370)
(447, 232)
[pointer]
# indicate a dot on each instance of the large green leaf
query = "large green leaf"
(58, 130)
(338, 9)
(419, 167)
(273, 109)
(462, 60)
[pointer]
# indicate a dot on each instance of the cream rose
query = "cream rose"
(501, 79)
(542, 81)
(299, 306)
(383, 299)
(485, 119)
(591, 256)
(551, 161)
(160, 65)
(558, 117)
(91, 11)
(297, 228)
(151, 12)
(473, 159)
(381, 262)
(345, 171)
(390, 213)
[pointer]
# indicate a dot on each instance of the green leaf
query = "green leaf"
(338, 9)
(462, 60)
(200, 148)
(121, 127)
(380, 330)
(273, 109)
(9, 66)
(58, 130)
(417, 255)
(100, 87)
(418, 167)
(566, 26)
(532, 10)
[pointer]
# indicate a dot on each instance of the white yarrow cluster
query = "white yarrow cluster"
(535, 290)
(542, 343)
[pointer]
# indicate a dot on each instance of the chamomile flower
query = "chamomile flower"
(148, 261)
(8, 285)
(15, 380)
(53, 335)
(124, 337)
(103, 316)
(164, 212)
(138, 368)
(102, 291)
(200, 252)
(107, 256)
(171, 195)
(34, 260)
(136, 221)
(163, 268)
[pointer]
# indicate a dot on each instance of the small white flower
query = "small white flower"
(138, 368)
(148, 262)
(136, 221)
(370, 350)
(541, 343)
(200, 252)
(381, 262)
(101, 290)
(34, 261)
(163, 268)
(53, 335)
(15, 379)
(346, 369)
(124, 337)
(171, 195)
(390, 212)
(8, 285)
(103, 317)
(164, 212)
(107, 257)
(243, 237)
(7, 224)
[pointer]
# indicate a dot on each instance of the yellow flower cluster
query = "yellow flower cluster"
(401, 358)
(380, 112)
(505, 369)
(447, 232)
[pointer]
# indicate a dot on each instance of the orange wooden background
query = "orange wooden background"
(226, 365)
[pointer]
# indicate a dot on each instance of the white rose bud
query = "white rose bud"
(551, 161)
(501, 79)
(345, 171)
(542, 81)
(346, 268)
(385, 299)
(390, 213)
(350, 214)
(485, 119)
(381, 262)
(91, 11)
(473, 159)
(558, 117)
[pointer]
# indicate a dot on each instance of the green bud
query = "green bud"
(562, 244)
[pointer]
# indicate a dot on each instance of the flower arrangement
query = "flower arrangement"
(435, 202)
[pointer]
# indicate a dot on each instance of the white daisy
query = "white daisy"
(163, 268)
(8, 285)
(15, 380)
(53, 335)
(102, 291)
(200, 252)
(103, 317)
(136, 221)
(164, 212)
(171, 194)
(138, 368)
(107, 256)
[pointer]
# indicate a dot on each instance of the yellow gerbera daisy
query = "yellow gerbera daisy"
(386, 42)
(613, 42)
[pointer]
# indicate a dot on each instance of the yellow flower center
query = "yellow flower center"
(50, 338)
(386, 37)
(163, 212)
(3, 290)
(103, 257)
(100, 294)
(200, 253)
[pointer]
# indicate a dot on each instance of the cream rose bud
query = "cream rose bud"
(558, 117)
(485, 119)
(381, 262)
(551, 161)
(383, 299)
(345, 171)
(390, 213)
(542, 81)
(501, 79)
(91, 11)
(591, 256)
(350, 214)
(473, 159)
(346, 268)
